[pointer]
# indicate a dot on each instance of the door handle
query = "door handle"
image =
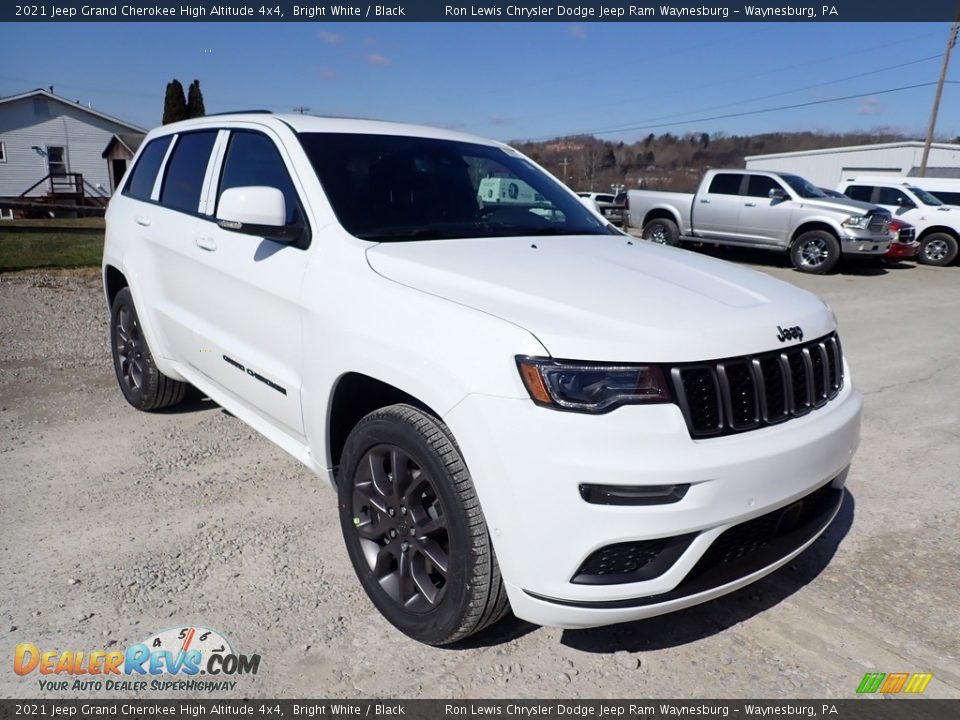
(205, 243)
(142, 220)
(705, 201)
(749, 204)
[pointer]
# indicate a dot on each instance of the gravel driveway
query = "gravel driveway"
(117, 524)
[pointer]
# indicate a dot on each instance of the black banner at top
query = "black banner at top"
(577, 11)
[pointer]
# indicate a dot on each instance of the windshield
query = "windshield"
(803, 188)
(925, 197)
(393, 188)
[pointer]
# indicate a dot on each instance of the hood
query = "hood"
(841, 204)
(609, 298)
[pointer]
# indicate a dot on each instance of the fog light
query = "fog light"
(633, 494)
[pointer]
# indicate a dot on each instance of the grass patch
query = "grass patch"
(21, 251)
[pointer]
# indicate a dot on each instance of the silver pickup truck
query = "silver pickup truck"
(770, 210)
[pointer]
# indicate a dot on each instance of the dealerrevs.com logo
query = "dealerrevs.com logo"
(170, 660)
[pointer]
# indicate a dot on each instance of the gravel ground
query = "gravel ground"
(117, 524)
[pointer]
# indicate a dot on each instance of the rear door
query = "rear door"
(763, 219)
(716, 210)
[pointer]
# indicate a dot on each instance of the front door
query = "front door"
(763, 219)
(250, 299)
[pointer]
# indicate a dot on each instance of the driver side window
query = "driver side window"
(253, 159)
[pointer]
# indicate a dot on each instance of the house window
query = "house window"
(3, 151)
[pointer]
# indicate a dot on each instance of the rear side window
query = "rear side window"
(725, 184)
(144, 173)
(185, 171)
(859, 192)
(950, 198)
(253, 159)
(760, 186)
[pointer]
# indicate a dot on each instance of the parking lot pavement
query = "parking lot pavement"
(117, 524)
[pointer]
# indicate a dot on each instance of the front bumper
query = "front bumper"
(900, 250)
(863, 242)
(527, 464)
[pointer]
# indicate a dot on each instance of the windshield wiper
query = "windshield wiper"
(405, 234)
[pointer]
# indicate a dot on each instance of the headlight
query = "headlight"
(591, 387)
(857, 222)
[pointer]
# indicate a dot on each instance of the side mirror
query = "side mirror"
(256, 210)
(777, 194)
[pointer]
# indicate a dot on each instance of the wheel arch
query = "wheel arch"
(660, 213)
(113, 282)
(811, 226)
(354, 396)
(939, 229)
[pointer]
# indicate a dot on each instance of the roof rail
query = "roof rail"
(241, 112)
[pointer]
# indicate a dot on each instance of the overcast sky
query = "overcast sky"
(508, 81)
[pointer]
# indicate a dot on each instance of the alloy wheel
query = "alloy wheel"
(814, 252)
(130, 348)
(402, 528)
(936, 250)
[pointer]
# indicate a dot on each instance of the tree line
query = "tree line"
(179, 106)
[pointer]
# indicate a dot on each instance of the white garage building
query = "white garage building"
(829, 166)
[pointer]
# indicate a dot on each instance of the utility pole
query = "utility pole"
(301, 109)
(951, 41)
(565, 162)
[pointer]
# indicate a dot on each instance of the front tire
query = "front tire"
(662, 231)
(816, 252)
(937, 249)
(414, 530)
(142, 384)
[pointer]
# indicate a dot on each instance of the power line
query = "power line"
(810, 103)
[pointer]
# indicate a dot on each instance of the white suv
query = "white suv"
(517, 405)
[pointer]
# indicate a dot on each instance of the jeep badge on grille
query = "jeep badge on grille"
(791, 333)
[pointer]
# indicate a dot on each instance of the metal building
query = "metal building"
(829, 166)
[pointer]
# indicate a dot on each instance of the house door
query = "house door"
(117, 168)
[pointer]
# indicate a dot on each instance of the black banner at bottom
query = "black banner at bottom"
(877, 708)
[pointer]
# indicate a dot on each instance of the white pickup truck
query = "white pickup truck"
(937, 224)
(770, 210)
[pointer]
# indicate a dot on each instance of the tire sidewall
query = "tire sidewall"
(948, 259)
(833, 253)
(670, 228)
(137, 397)
(441, 622)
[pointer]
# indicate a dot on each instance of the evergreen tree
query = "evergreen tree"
(174, 103)
(195, 106)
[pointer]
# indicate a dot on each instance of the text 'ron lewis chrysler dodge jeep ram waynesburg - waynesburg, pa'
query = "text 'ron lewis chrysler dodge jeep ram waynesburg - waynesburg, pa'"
(518, 405)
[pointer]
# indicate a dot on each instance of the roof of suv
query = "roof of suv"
(313, 123)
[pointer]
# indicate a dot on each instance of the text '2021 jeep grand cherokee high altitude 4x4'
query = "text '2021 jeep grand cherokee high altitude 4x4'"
(518, 405)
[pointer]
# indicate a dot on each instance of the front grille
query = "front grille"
(907, 235)
(879, 223)
(740, 394)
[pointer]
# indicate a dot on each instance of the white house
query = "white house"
(827, 167)
(54, 149)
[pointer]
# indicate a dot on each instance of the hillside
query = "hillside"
(671, 162)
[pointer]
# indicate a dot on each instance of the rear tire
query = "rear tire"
(816, 252)
(937, 249)
(662, 231)
(414, 529)
(142, 384)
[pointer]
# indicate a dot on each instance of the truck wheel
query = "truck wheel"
(816, 252)
(414, 529)
(662, 231)
(144, 387)
(937, 249)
